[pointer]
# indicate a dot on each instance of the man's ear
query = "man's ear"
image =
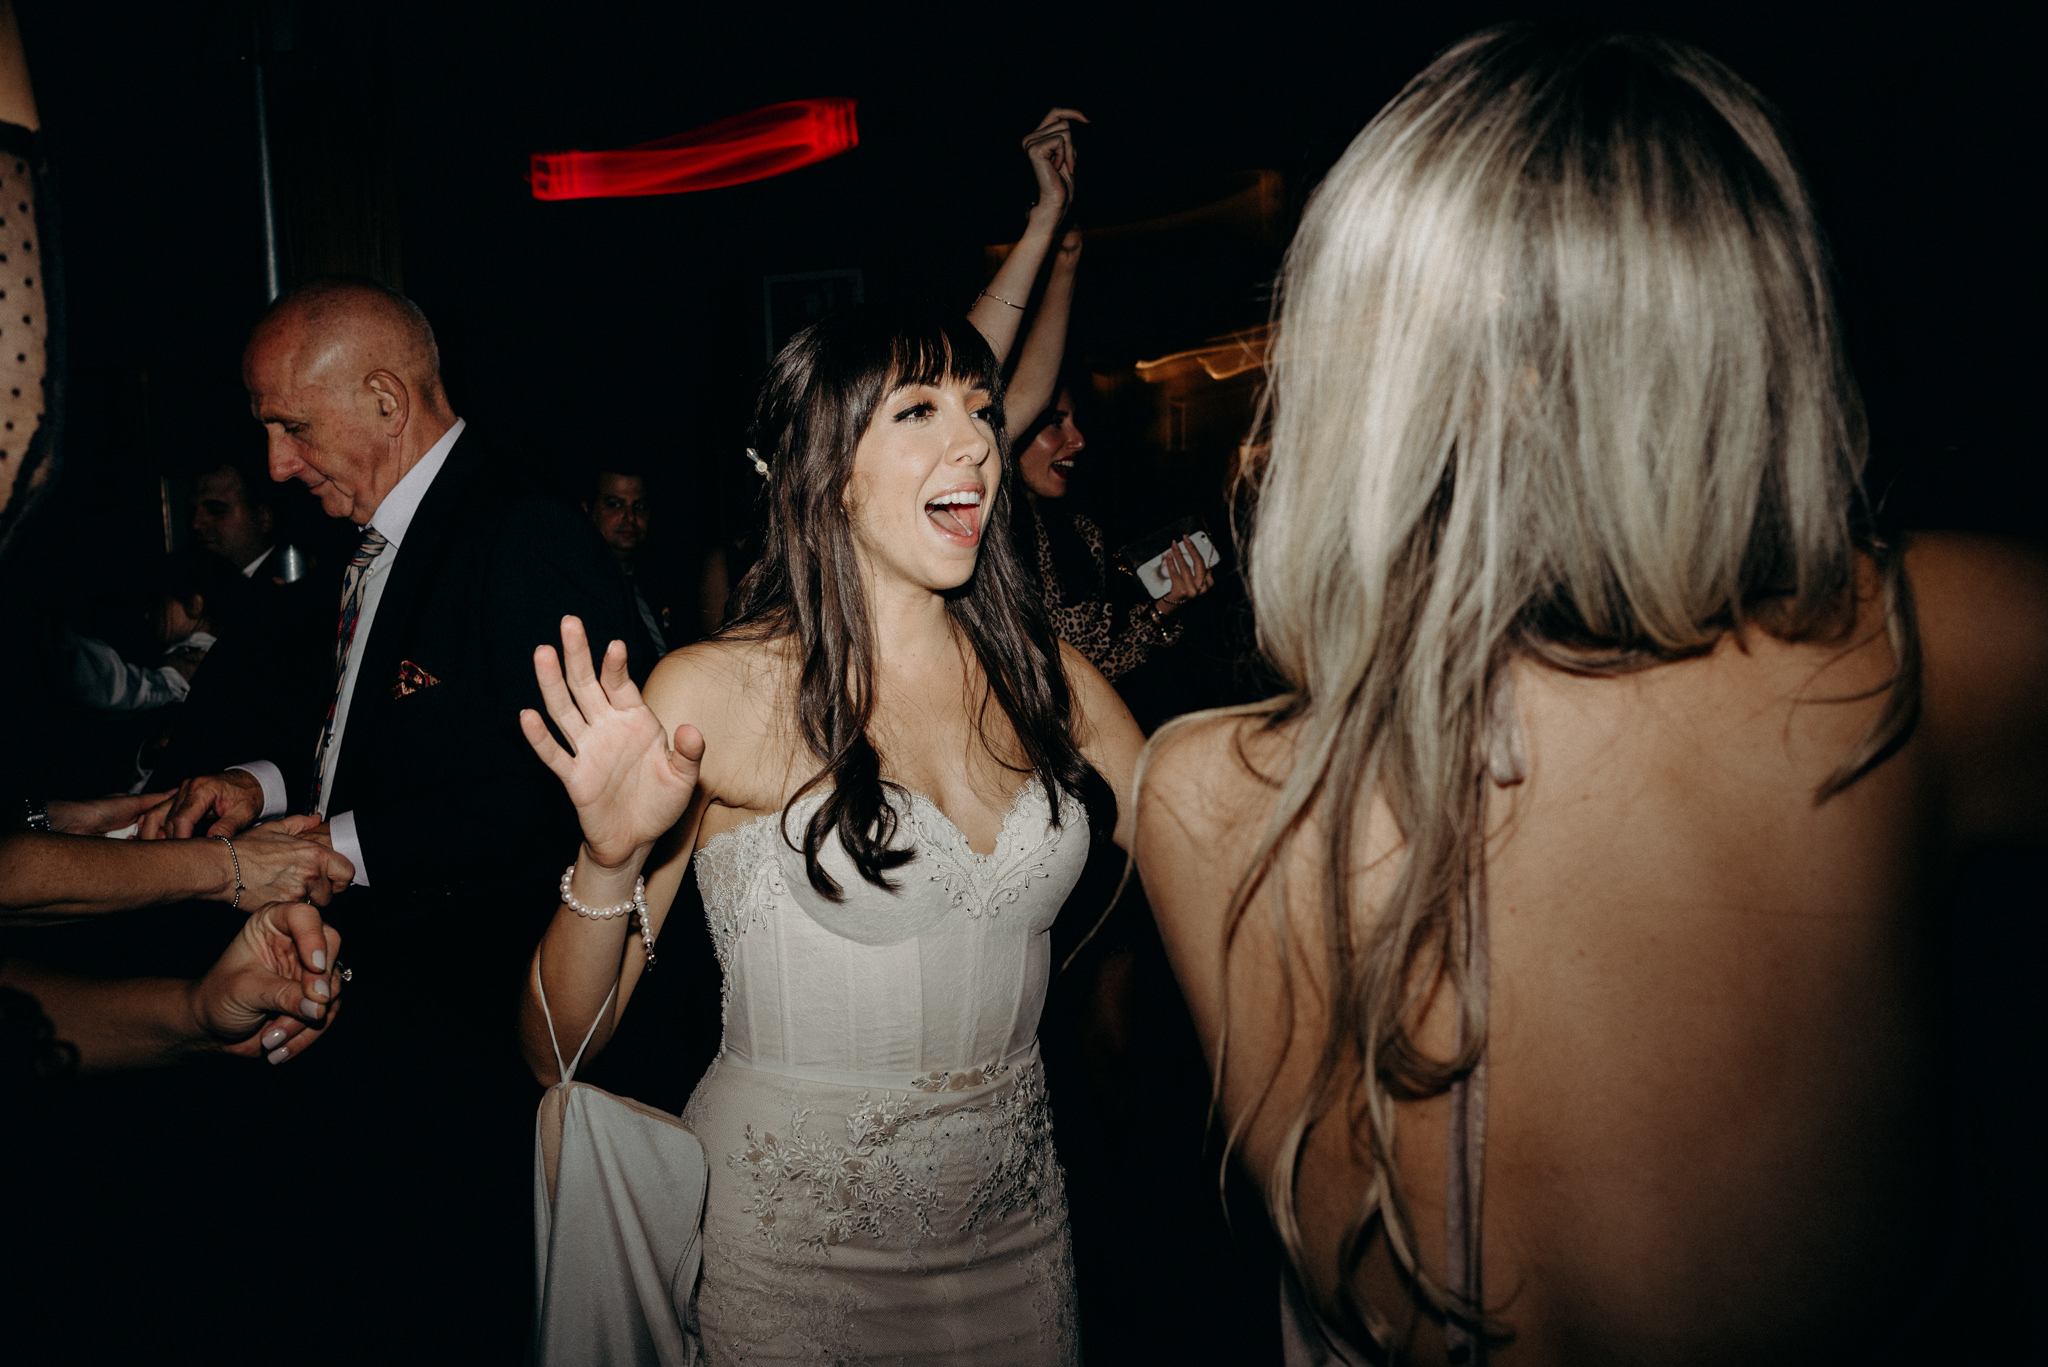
(393, 399)
(265, 519)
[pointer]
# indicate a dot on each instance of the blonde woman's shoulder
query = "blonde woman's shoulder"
(1208, 782)
(1982, 604)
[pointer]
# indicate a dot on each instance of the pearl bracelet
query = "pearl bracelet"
(638, 905)
(638, 899)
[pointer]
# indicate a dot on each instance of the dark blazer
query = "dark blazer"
(272, 668)
(446, 791)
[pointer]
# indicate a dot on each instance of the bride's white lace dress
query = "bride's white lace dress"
(883, 1187)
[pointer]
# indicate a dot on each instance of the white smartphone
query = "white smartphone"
(1151, 570)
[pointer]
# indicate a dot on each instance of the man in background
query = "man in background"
(232, 516)
(622, 511)
(275, 667)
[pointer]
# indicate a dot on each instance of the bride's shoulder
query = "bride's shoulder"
(718, 677)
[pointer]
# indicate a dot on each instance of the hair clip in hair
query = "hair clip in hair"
(760, 465)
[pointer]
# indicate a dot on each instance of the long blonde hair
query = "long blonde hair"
(1557, 373)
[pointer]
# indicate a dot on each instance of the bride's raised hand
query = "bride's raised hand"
(630, 782)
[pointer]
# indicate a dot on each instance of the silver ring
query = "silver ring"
(344, 973)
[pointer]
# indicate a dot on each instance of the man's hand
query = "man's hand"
(272, 991)
(629, 783)
(306, 827)
(187, 661)
(97, 816)
(279, 864)
(213, 804)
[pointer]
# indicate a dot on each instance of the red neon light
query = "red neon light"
(751, 146)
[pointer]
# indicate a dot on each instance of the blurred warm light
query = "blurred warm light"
(1245, 204)
(1231, 354)
(750, 146)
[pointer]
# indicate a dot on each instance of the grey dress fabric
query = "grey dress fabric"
(618, 1200)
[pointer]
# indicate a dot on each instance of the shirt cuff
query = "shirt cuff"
(341, 833)
(264, 772)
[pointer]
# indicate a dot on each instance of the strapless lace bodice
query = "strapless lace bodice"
(945, 975)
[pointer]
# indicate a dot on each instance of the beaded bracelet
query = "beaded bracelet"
(235, 905)
(638, 905)
(601, 913)
(1000, 300)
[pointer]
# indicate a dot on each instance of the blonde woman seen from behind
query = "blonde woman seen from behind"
(1554, 936)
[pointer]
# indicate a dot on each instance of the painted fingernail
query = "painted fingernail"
(279, 1055)
(320, 989)
(319, 961)
(274, 1037)
(310, 1009)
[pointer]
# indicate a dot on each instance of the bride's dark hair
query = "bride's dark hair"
(816, 403)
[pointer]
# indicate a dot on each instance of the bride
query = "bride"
(889, 774)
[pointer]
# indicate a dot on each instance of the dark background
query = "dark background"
(633, 329)
(401, 133)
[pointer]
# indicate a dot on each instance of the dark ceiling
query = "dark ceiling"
(569, 325)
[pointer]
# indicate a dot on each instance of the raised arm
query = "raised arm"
(1037, 377)
(634, 785)
(999, 309)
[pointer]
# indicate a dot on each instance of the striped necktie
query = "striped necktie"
(366, 553)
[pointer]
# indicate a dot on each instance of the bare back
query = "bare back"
(1707, 1047)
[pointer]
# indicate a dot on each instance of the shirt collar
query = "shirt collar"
(396, 512)
(249, 570)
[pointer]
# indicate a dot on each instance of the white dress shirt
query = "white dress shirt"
(249, 570)
(102, 680)
(647, 616)
(392, 517)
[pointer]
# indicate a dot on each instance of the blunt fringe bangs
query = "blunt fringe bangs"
(818, 400)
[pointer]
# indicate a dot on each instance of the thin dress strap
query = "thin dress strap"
(567, 1074)
(1507, 764)
(1464, 1339)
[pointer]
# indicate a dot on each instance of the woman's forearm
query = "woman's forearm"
(578, 967)
(998, 311)
(1038, 366)
(115, 1022)
(58, 876)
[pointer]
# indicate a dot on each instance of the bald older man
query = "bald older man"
(457, 833)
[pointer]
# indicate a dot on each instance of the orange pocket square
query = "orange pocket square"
(411, 679)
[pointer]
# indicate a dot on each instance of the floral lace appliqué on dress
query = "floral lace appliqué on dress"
(888, 1190)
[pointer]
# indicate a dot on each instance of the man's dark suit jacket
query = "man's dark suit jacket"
(272, 668)
(446, 791)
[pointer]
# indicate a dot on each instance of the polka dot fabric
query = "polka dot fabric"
(24, 325)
